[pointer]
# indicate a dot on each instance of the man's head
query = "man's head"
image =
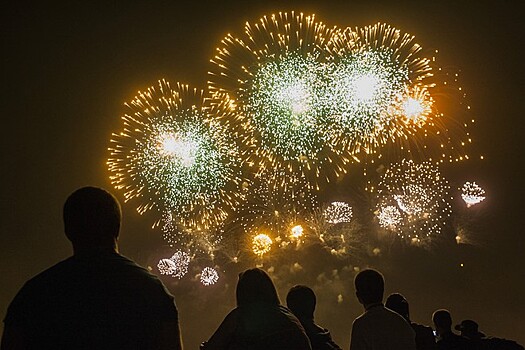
(92, 218)
(301, 301)
(442, 320)
(469, 329)
(369, 286)
(397, 302)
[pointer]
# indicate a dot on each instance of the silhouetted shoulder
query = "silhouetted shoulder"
(108, 298)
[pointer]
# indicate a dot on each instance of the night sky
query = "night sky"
(68, 67)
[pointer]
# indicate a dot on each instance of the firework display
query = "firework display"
(209, 276)
(176, 159)
(413, 200)
(472, 194)
(236, 172)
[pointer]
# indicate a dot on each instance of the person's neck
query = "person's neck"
(372, 305)
(95, 250)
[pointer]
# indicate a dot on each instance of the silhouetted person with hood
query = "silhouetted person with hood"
(301, 301)
(258, 321)
(97, 298)
(378, 328)
(425, 339)
(447, 340)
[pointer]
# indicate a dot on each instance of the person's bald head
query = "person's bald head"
(92, 218)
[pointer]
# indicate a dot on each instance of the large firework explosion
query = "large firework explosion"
(413, 201)
(384, 88)
(276, 73)
(175, 158)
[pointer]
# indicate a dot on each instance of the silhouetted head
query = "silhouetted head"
(442, 320)
(369, 286)
(469, 329)
(301, 301)
(397, 302)
(255, 286)
(92, 218)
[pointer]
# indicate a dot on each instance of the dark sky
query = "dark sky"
(67, 67)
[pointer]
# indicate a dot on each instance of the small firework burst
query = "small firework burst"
(166, 266)
(338, 212)
(413, 201)
(296, 232)
(472, 194)
(209, 276)
(389, 217)
(261, 244)
(180, 260)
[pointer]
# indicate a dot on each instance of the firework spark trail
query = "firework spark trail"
(413, 201)
(175, 158)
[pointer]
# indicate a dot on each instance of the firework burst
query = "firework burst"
(338, 212)
(175, 158)
(276, 73)
(472, 194)
(413, 201)
(261, 244)
(209, 276)
(374, 70)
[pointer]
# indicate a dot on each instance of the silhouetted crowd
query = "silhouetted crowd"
(99, 299)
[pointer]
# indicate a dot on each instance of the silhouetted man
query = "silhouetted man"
(447, 340)
(301, 301)
(96, 299)
(378, 328)
(424, 336)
